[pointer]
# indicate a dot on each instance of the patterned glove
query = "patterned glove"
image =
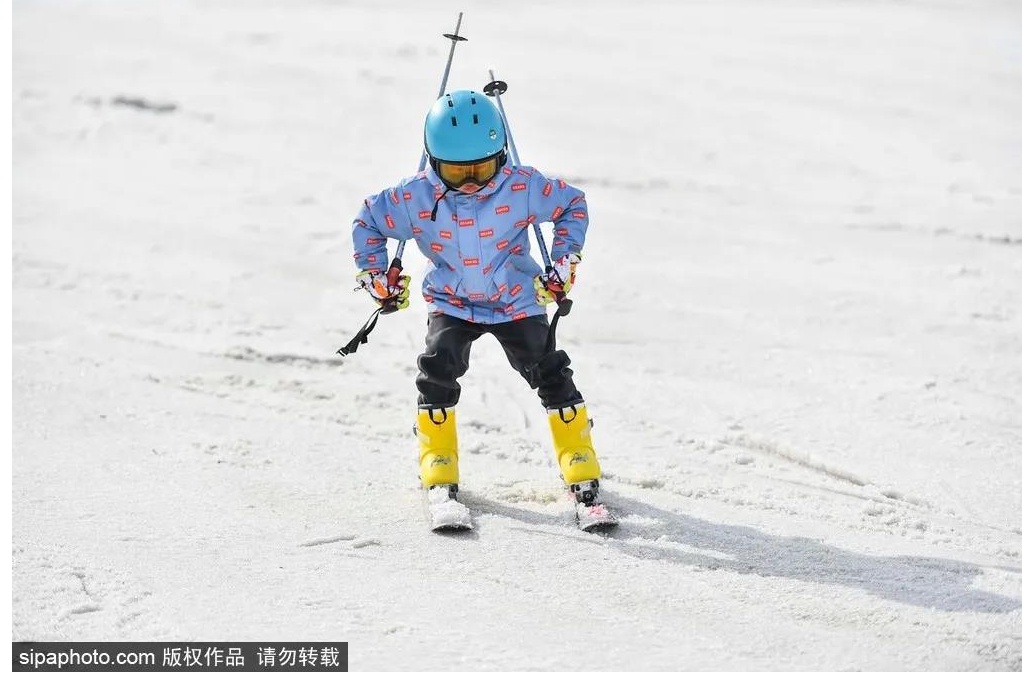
(553, 285)
(383, 293)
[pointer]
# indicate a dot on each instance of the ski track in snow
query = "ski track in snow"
(811, 431)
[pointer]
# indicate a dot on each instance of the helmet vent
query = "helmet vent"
(450, 101)
(454, 121)
(475, 119)
(473, 100)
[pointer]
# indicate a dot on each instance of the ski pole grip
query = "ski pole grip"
(560, 297)
(393, 277)
(394, 272)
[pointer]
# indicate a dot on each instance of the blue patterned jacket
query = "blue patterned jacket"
(479, 243)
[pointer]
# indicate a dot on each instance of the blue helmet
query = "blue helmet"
(464, 125)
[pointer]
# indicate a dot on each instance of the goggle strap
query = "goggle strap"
(432, 214)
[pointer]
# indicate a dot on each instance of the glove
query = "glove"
(383, 293)
(555, 284)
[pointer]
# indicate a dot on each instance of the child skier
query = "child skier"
(469, 213)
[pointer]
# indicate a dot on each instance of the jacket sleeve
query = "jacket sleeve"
(556, 201)
(383, 216)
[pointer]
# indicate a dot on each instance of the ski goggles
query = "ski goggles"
(459, 173)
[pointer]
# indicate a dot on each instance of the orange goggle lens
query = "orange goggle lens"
(477, 172)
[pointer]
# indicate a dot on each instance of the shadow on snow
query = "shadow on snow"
(661, 535)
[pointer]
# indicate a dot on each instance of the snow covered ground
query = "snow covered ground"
(807, 384)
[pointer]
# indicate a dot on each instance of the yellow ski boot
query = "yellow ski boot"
(571, 427)
(437, 432)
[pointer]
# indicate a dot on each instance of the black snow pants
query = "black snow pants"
(449, 341)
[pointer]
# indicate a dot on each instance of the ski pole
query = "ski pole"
(495, 88)
(394, 270)
(395, 267)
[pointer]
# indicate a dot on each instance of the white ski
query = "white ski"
(594, 517)
(444, 511)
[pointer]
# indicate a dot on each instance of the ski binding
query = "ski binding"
(590, 514)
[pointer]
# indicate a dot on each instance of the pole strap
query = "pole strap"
(362, 336)
(563, 309)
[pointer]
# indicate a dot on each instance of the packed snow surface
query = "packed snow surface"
(797, 325)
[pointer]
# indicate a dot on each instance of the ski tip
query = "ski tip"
(605, 527)
(456, 528)
(595, 518)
